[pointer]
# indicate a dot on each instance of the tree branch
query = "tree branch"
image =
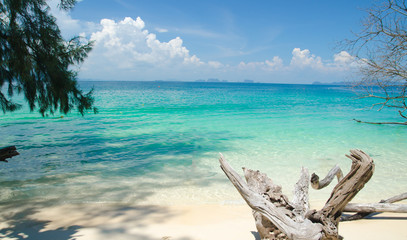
(380, 50)
(375, 207)
(364, 214)
(380, 123)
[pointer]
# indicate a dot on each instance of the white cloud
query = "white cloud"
(127, 46)
(215, 64)
(275, 64)
(303, 66)
(344, 59)
(161, 30)
(304, 58)
(126, 50)
(64, 20)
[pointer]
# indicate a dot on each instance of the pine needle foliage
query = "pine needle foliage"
(37, 62)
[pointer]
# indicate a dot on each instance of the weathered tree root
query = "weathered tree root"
(292, 228)
(363, 210)
(293, 219)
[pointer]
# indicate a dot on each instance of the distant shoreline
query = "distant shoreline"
(220, 82)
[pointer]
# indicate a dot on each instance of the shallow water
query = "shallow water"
(158, 142)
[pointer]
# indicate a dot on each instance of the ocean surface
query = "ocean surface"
(159, 143)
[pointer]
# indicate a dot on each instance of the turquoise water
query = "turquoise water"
(158, 142)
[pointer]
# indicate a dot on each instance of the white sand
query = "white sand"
(189, 222)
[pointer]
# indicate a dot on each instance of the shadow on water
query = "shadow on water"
(111, 169)
(79, 188)
(144, 152)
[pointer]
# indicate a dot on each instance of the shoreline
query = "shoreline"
(147, 222)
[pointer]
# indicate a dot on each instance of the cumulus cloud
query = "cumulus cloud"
(129, 40)
(127, 50)
(304, 58)
(303, 65)
(128, 45)
(275, 64)
(344, 59)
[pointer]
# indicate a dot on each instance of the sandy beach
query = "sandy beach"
(133, 120)
(96, 221)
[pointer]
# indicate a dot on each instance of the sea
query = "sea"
(159, 143)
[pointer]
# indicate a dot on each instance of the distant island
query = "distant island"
(211, 80)
(331, 83)
(216, 80)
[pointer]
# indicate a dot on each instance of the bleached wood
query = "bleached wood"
(305, 230)
(264, 186)
(376, 207)
(292, 218)
(362, 214)
(394, 199)
(360, 173)
(335, 171)
(300, 200)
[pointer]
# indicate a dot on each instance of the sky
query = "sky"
(291, 41)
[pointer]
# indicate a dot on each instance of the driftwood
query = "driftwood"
(361, 213)
(335, 171)
(363, 210)
(8, 152)
(298, 228)
(278, 218)
(296, 209)
(376, 207)
(381, 123)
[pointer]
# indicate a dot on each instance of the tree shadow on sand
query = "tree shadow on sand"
(69, 222)
(21, 226)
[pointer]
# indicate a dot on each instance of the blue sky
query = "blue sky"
(265, 41)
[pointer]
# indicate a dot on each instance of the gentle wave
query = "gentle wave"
(158, 142)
